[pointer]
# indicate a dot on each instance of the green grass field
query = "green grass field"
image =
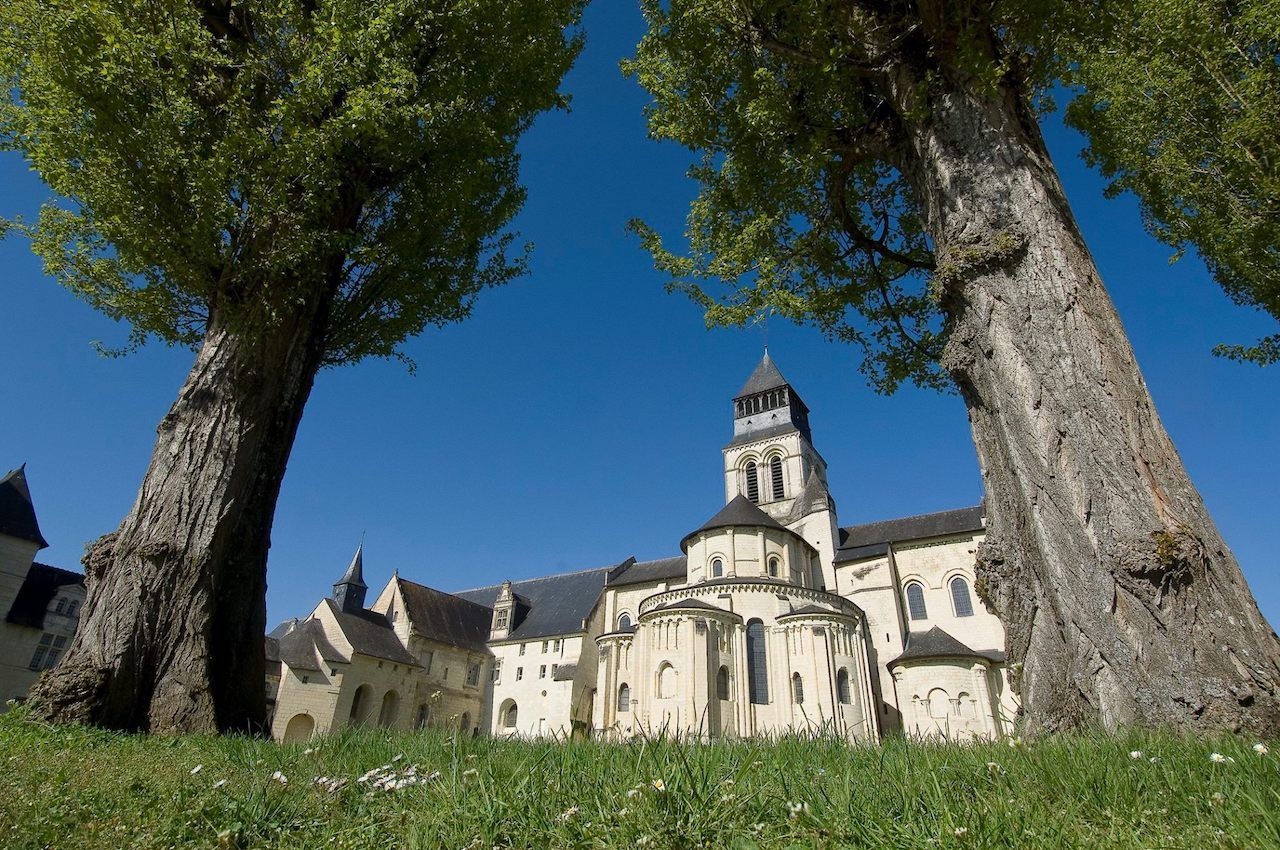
(81, 788)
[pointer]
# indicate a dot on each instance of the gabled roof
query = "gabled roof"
(17, 513)
(370, 633)
(443, 617)
(642, 572)
(37, 591)
(863, 541)
(741, 511)
(564, 672)
(936, 643)
(557, 604)
(302, 643)
(765, 377)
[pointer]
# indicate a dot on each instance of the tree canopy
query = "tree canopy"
(804, 209)
(213, 158)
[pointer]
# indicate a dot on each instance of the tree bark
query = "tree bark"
(1121, 602)
(171, 639)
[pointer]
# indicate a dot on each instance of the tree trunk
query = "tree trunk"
(171, 637)
(1121, 602)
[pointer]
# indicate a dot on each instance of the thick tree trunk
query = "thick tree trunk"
(171, 638)
(1121, 602)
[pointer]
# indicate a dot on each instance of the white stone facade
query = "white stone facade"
(775, 620)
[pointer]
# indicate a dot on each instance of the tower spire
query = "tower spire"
(350, 590)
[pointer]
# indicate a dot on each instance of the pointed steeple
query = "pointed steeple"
(17, 513)
(765, 377)
(350, 590)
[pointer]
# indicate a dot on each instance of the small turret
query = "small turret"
(349, 592)
(504, 613)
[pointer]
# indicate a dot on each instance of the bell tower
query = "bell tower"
(771, 461)
(349, 592)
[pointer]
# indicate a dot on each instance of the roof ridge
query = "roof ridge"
(535, 578)
(454, 594)
(978, 506)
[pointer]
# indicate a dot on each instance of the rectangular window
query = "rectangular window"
(542, 672)
(500, 622)
(554, 668)
(497, 671)
(427, 658)
(473, 674)
(48, 651)
(522, 649)
(544, 646)
(519, 673)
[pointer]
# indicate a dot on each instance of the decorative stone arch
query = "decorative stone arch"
(624, 697)
(390, 708)
(361, 705)
(749, 475)
(299, 728)
(668, 680)
(626, 622)
(711, 563)
(508, 715)
(775, 469)
(938, 704)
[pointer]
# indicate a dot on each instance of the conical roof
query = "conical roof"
(765, 377)
(937, 643)
(355, 572)
(739, 512)
(17, 513)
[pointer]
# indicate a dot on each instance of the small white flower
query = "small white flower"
(470, 772)
(1154, 759)
(961, 831)
(219, 783)
(197, 769)
(757, 828)
(822, 771)
(643, 841)
(659, 785)
(1217, 798)
(632, 793)
(309, 750)
(1261, 749)
(1016, 743)
(622, 813)
(795, 810)
(994, 769)
(568, 814)
(1219, 758)
(280, 777)
(1135, 754)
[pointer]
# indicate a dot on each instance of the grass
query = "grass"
(85, 788)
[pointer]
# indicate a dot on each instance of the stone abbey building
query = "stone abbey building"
(772, 618)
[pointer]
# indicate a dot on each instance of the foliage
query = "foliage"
(1180, 102)
(223, 161)
(72, 787)
(806, 208)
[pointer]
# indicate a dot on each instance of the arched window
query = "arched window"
(358, 707)
(939, 703)
(775, 476)
(797, 688)
(842, 686)
(717, 568)
(300, 728)
(509, 716)
(722, 683)
(624, 697)
(624, 622)
(753, 482)
(757, 664)
(915, 601)
(464, 722)
(960, 597)
(390, 708)
(666, 681)
(423, 713)
(775, 566)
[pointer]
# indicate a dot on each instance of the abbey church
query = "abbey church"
(771, 618)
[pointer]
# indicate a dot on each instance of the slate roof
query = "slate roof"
(17, 513)
(272, 650)
(557, 604)
(740, 511)
(564, 672)
(765, 377)
(370, 633)
(805, 610)
(444, 617)
(664, 569)
(37, 591)
(691, 603)
(863, 541)
(936, 643)
(299, 646)
(354, 575)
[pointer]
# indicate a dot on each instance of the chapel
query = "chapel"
(772, 619)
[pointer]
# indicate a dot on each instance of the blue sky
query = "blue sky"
(577, 417)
